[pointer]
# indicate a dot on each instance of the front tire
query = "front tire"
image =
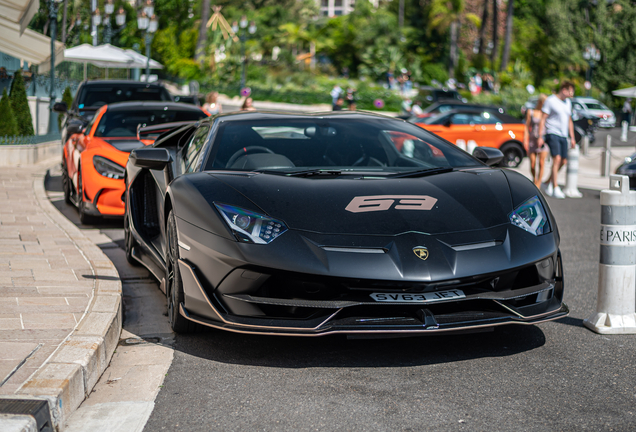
(174, 285)
(513, 155)
(66, 185)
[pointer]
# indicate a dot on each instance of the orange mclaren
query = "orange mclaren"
(95, 156)
(484, 128)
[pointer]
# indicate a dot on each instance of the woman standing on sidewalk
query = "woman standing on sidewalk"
(531, 144)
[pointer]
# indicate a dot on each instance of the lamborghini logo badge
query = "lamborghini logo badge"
(421, 252)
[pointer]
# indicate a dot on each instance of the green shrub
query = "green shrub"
(20, 106)
(8, 125)
(67, 97)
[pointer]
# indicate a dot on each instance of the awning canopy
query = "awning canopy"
(29, 46)
(627, 92)
(19, 11)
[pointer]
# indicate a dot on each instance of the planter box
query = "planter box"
(29, 154)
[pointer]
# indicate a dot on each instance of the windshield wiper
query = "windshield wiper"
(421, 173)
(314, 172)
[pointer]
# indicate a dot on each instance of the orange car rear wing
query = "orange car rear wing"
(153, 131)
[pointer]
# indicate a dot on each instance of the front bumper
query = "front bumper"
(357, 314)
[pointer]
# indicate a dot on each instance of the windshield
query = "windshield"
(123, 123)
(333, 145)
(595, 106)
(95, 96)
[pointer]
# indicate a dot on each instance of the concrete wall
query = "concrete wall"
(39, 107)
(17, 155)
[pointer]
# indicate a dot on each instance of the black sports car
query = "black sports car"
(338, 223)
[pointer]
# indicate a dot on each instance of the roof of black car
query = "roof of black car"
(122, 83)
(267, 115)
(174, 106)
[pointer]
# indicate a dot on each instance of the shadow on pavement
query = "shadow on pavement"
(337, 351)
(53, 184)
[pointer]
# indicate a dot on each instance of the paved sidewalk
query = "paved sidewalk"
(60, 298)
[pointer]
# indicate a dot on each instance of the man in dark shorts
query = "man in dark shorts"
(556, 124)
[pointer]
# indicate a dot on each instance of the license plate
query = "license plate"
(418, 298)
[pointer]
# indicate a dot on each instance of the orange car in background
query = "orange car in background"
(485, 128)
(93, 160)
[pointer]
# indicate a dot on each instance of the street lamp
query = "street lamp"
(109, 9)
(592, 55)
(239, 28)
(149, 26)
(53, 127)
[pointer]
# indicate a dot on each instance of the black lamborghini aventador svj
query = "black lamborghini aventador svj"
(349, 223)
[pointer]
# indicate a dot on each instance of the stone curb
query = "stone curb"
(70, 373)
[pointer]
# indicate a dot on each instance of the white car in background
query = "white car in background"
(592, 106)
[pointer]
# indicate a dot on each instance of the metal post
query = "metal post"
(53, 128)
(148, 42)
(243, 37)
(606, 157)
(586, 144)
(615, 307)
(108, 33)
(93, 26)
(136, 71)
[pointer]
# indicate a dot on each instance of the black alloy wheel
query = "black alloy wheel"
(84, 217)
(174, 285)
(513, 155)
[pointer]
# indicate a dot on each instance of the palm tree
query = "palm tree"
(199, 52)
(508, 37)
(482, 29)
(447, 15)
(495, 35)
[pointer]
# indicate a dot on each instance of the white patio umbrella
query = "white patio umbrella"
(627, 92)
(108, 56)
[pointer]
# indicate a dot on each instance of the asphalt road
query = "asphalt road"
(552, 376)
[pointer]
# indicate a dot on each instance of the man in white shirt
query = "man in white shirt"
(556, 124)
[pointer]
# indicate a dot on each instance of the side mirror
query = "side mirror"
(488, 155)
(60, 107)
(154, 159)
(447, 122)
(151, 158)
(74, 128)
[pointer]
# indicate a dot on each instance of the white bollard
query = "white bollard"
(606, 157)
(471, 146)
(624, 126)
(616, 301)
(571, 189)
(461, 144)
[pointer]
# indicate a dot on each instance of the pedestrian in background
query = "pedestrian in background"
(531, 141)
(556, 124)
(351, 99)
(247, 105)
(211, 105)
(336, 92)
(339, 103)
(627, 110)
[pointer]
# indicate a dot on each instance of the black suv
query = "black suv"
(91, 95)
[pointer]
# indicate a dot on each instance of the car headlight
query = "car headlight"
(249, 226)
(531, 217)
(108, 168)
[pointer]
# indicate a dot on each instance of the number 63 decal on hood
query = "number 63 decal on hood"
(384, 202)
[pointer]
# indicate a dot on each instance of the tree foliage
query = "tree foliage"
(20, 106)
(8, 125)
